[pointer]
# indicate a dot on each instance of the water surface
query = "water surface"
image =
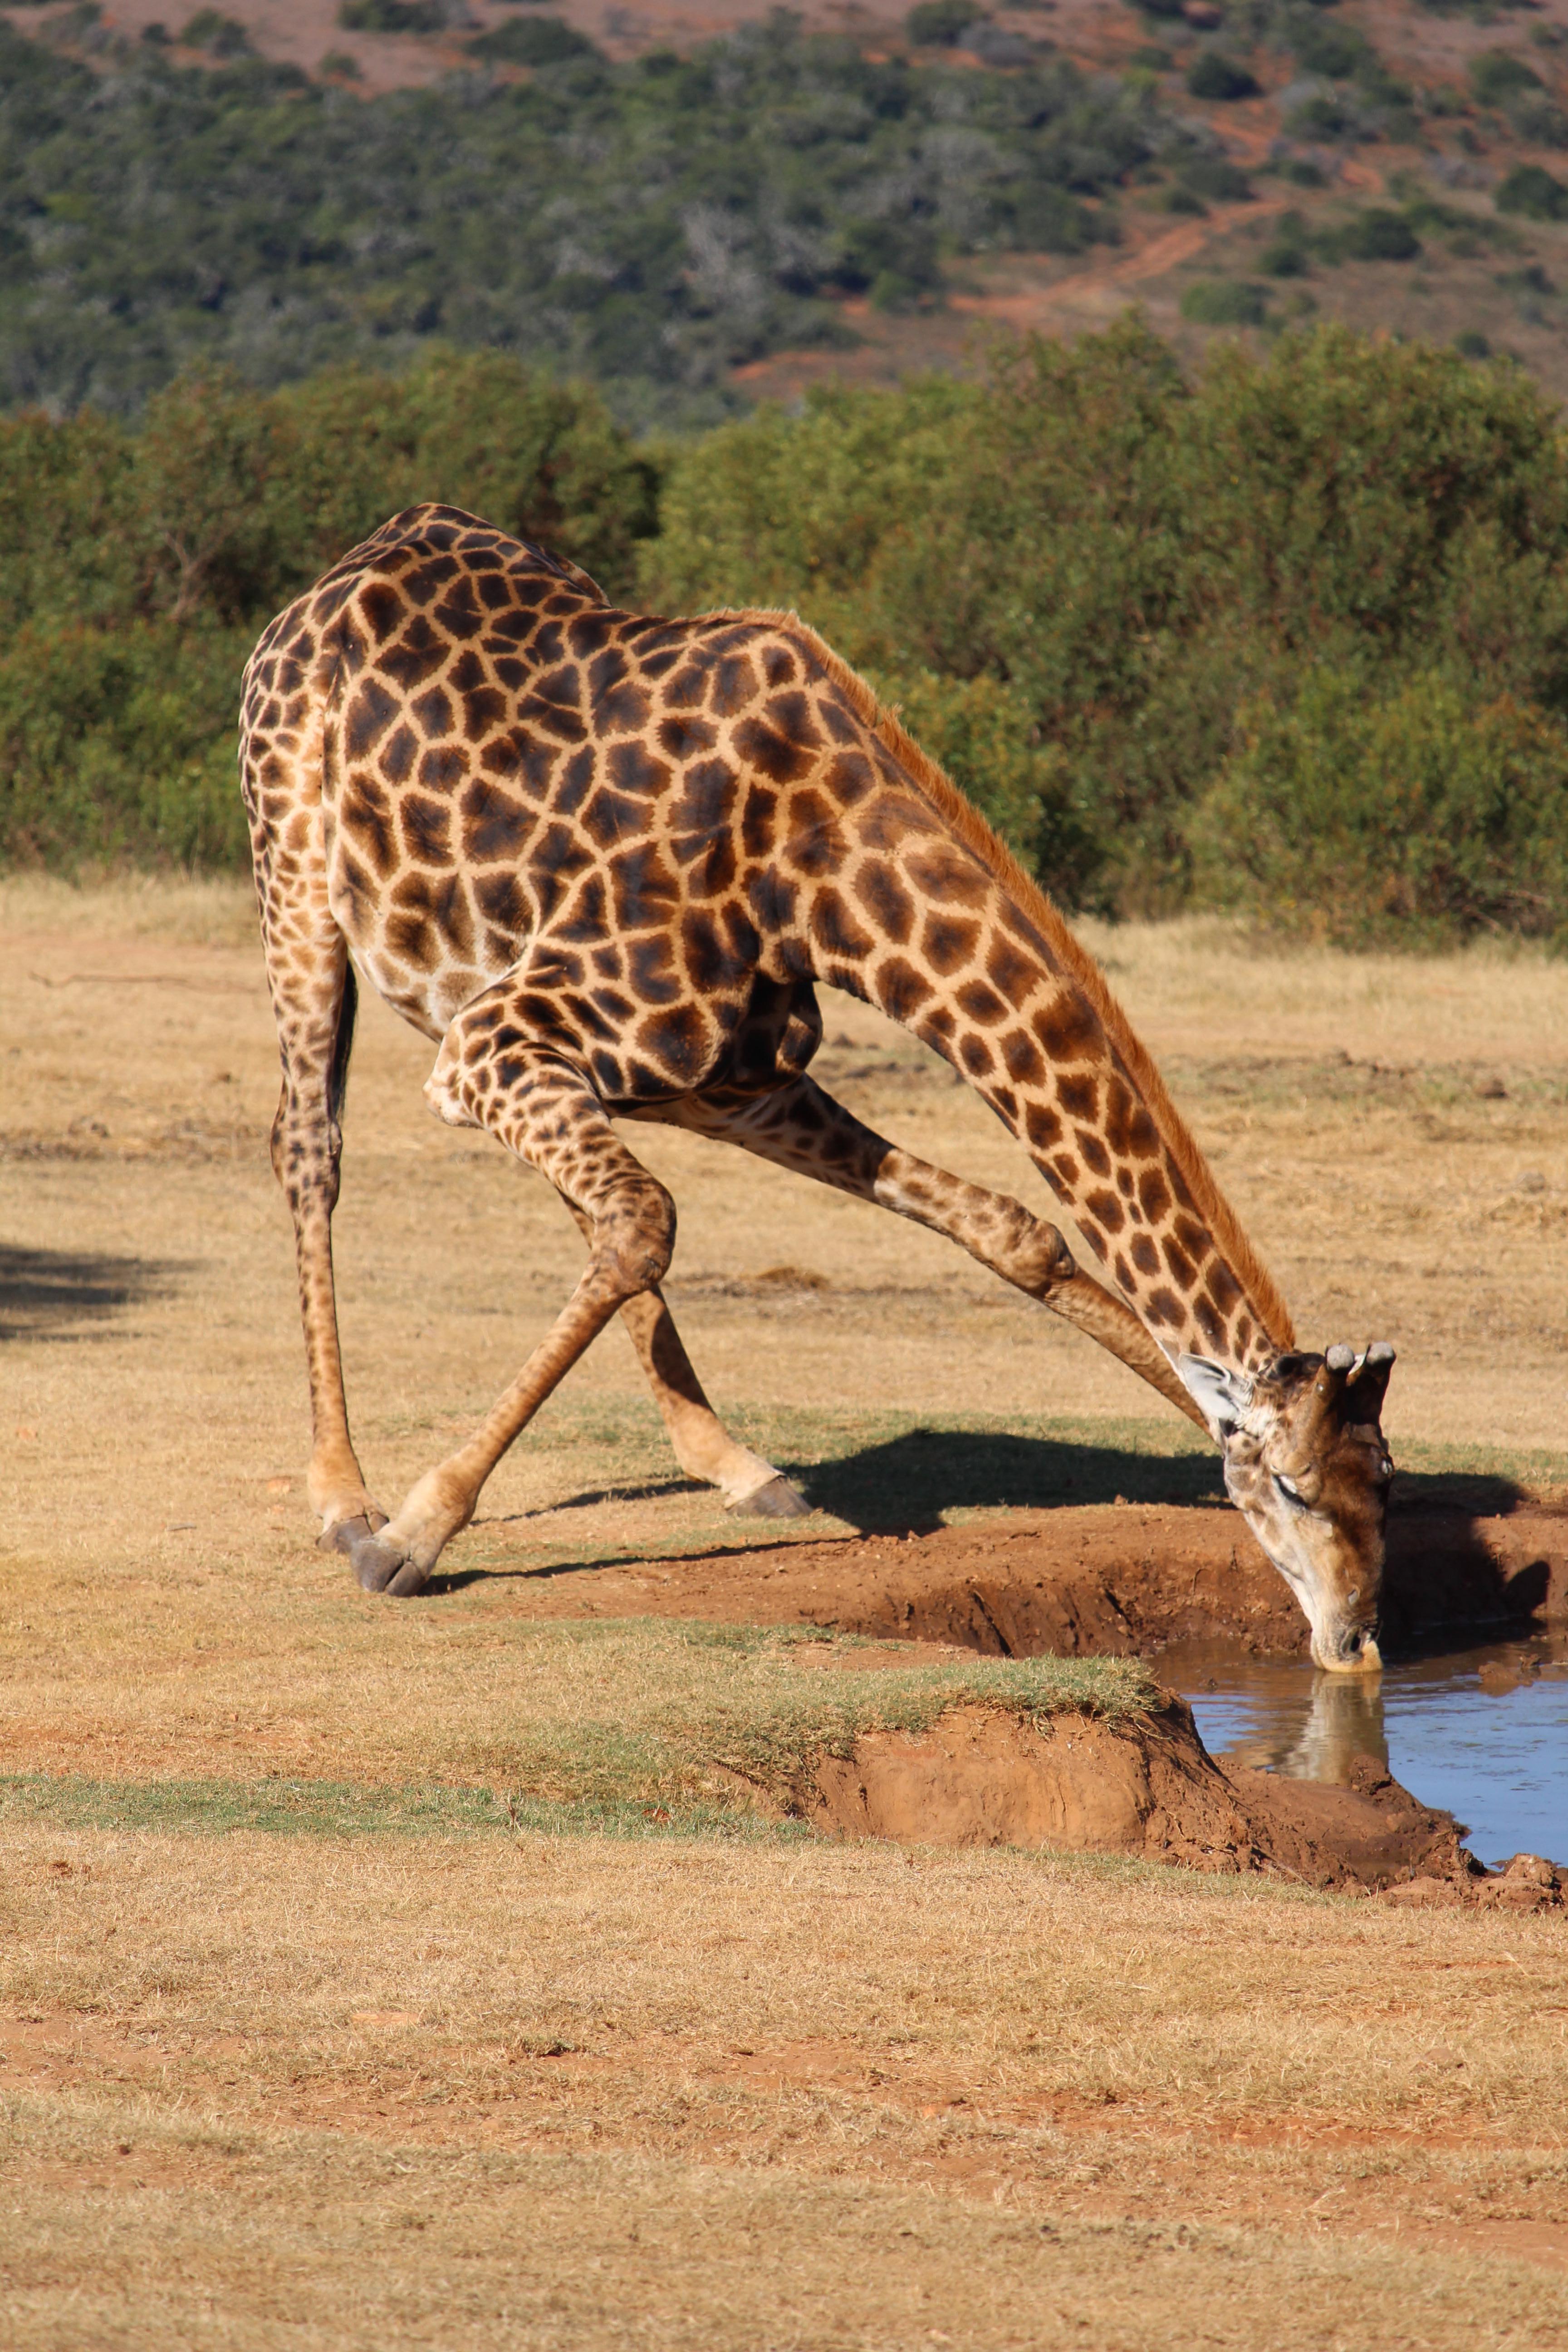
(1481, 1732)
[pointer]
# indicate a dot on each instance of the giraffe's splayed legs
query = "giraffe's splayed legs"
(548, 1115)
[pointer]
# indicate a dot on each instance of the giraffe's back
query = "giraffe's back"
(472, 755)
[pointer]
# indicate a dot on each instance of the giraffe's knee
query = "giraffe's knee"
(443, 1089)
(634, 1235)
(1030, 1254)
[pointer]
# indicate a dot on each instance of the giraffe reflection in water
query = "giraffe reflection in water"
(1482, 1731)
(1320, 1729)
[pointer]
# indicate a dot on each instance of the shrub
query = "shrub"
(1497, 75)
(1375, 235)
(1213, 76)
(1286, 258)
(533, 41)
(219, 34)
(391, 16)
(1530, 189)
(141, 566)
(941, 24)
(1337, 51)
(1134, 558)
(1224, 302)
(118, 743)
(1320, 118)
(984, 735)
(1213, 176)
(656, 222)
(1425, 815)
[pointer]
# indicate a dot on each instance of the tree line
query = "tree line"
(1289, 636)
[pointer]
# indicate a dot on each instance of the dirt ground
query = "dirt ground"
(282, 2061)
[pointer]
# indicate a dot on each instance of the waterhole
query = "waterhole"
(1481, 1732)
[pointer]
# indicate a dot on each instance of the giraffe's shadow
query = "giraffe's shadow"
(906, 1486)
(71, 1294)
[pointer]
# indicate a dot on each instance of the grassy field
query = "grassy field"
(420, 1973)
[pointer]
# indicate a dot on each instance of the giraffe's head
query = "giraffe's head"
(1306, 1465)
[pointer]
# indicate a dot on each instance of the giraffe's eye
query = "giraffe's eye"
(1288, 1488)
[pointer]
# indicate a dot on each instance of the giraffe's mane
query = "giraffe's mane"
(971, 828)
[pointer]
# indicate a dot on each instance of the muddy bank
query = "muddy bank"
(1148, 1787)
(1101, 1582)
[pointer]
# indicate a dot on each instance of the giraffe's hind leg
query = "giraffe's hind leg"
(751, 1486)
(545, 1111)
(313, 1001)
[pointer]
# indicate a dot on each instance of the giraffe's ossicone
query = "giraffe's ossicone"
(605, 860)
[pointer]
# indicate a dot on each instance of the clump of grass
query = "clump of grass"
(609, 1726)
(772, 1726)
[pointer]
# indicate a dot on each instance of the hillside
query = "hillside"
(694, 208)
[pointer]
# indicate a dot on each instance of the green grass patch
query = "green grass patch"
(610, 1725)
(336, 1809)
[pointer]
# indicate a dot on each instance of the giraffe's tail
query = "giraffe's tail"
(342, 1043)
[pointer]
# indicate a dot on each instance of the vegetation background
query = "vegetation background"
(1277, 622)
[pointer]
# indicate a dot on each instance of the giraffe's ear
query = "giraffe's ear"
(1222, 1396)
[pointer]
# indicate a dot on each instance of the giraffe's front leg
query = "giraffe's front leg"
(802, 1128)
(546, 1112)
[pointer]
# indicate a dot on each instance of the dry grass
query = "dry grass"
(750, 2073)
(225, 2241)
(799, 2096)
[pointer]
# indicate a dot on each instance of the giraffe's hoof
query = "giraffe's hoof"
(344, 1534)
(777, 1500)
(386, 1567)
(378, 1567)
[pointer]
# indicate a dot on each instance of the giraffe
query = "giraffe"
(603, 860)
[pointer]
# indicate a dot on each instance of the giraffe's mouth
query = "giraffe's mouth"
(1355, 1652)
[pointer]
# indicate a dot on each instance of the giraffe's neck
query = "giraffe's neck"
(1035, 1045)
(937, 925)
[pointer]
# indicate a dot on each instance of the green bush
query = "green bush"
(1224, 302)
(1286, 258)
(1213, 76)
(391, 16)
(1321, 46)
(219, 34)
(141, 566)
(1136, 558)
(1531, 191)
(984, 734)
(941, 24)
(1375, 235)
(651, 224)
(533, 41)
(119, 744)
(1421, 815)
(1107, 596)
(1497, 75)
(1222, 182)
